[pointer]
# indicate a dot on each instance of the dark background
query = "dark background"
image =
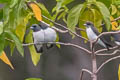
(58, 64)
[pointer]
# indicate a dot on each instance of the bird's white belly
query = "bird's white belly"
(92, 36)
(38, 37)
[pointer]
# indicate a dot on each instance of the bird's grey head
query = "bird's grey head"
(35, 27)
(88, 24)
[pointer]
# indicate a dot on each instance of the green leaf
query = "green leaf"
(119, 72)
(13, 3)
(105, 13)
(33, 79)
(2, 42)
(21, 28)
(44, 10)
(65, 2)
(1, 27)
(57, 39)
(106, 2)
(6, 11)
(11, 35)
(114, 9)
(34, 55)
(4, 1)
(91, 0)
(73, 16)
(1, 14)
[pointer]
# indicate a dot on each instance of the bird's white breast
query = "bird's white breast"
(91, 35)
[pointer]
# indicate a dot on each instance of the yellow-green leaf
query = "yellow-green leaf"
(1, 27)
(5, 59)
(114, 9)
(119, 72)
(57, 39)
(21, 28)
(34, 55)
(33, 79)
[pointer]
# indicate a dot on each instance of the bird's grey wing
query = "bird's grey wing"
(95, 30)
(102, 37)
(116, 37)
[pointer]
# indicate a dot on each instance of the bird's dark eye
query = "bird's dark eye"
(34, 26)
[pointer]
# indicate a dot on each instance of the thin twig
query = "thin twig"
(9, 40)
(80, 29)
(65, 28)
(113, 58)
(59, 30)
(66, 44)
(116, 19)
(82, 72)
(101, 50)
(109, 54)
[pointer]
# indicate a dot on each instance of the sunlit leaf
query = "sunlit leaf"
(114, 9)
(57, 40)
(1, 27)
(105, 13)
(2, 43)
(106, 2)
(119, 72)
(73, 16)
(33, 79)
(6, 11)
(5, 59)
(13, 3)
(36, 10)
(21, 28)
(34, 55)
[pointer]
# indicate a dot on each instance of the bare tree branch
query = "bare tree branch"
(82, 72)
(80, 29)
(65, 28)
(104, 33)
(101, 50)
(66, 44)
(113, 58)
(116, 19)
(59, 30)
(109, 54)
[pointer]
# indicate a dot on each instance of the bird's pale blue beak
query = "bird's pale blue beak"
(84, 24)
(31, 28)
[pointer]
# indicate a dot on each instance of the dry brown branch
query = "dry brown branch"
(82, 72)
(105, 62)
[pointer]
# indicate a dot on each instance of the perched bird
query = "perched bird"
(43, 33)
(93, 33)
(116, 38)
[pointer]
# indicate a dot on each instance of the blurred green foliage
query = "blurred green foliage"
(16, 18)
